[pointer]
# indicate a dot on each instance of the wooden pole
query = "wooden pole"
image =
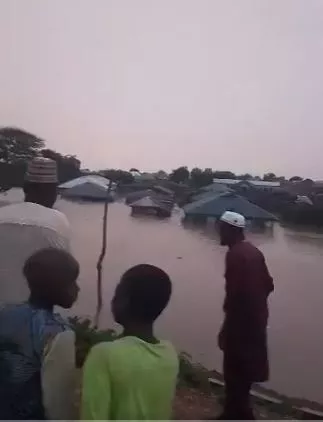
(101, 258)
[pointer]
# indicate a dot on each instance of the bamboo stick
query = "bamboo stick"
(101, 258)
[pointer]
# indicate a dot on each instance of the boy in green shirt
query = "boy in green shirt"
(135, 376)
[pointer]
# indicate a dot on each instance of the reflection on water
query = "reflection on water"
(195, 261)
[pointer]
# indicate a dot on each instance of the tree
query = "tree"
(68, 166)
(161, 175)
(296, 179)
(224, 175)
(196, 175)
(270, 177)
(118, 176)
(180, 175)
(18, 145)
(245, 176)
(201, 178)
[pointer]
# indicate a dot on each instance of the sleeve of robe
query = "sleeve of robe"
(58, 377)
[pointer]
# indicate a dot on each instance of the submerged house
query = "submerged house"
(94, 188)
(215, 188)
(135, 196)
(151, 205)
(244, 185)
(214, 205)
(100, 180)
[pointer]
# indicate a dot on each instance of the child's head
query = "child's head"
(142, 295)
(51, 275)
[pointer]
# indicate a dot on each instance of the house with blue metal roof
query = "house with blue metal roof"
(214, 205)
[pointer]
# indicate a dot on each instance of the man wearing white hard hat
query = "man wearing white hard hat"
(243, 337)
(29, 226)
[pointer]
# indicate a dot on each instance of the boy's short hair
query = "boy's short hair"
(148, 289)
(49, 262)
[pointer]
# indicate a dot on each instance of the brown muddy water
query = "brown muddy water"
(195, 261)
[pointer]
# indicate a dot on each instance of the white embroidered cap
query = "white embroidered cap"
(42, 170)
(234, 219)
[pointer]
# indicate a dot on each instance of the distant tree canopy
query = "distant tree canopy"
(245, 176)
(180, 175)
(270, 177)
(224, 175)
(68, 166)
(296, 179)
(161, 174)
(17, 147)
(200, 178)
(118, 176)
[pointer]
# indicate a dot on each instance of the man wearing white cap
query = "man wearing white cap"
(243, 337)
(29, 226)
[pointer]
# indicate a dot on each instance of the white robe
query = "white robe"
(24, 229)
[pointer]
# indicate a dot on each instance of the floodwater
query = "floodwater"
(195, 261)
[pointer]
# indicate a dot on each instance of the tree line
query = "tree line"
(17, 147)
(198, 177)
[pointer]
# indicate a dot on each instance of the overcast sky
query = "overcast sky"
(227, 84)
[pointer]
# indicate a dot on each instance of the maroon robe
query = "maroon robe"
(248, 285)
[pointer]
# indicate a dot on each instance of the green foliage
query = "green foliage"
(193, 374)
(224, 175)
(68, 166)
(296, 179)
(200, 178)
(18, 145)
(180, 175)
(118, 176)
(245, 176)
(87, 336)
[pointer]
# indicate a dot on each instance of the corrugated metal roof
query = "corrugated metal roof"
(263, 183)
(98, 180)
(135, 196)
(216, 187)
(149, 202)
(88, 190)
(215, 205)
(146, 202)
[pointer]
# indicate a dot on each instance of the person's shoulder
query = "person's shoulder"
(46, 324)
(244, 248)
(10, 211)
(12, 310)
(30, 213)
(250, 247)
(102, 352)
(115, 348)
(60, 220)
(170, 352)
(168, 346)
